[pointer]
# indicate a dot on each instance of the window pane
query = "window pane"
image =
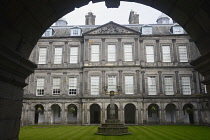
(183, 54)
(169, 85)
(151, 85)
(72, 86)
(186, 89)
(94, 85)
(112, 83)
(146, 30)
(94, 53)
(129, 89)
(56, 86)
(150, 53)
(58, 56)
(40, 87)
(166, 54)
(74, 55)
(128, 56)
(111, 52)
(42, 55)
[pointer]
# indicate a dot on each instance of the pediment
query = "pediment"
(111, 28)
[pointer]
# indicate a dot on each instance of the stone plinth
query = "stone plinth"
(112, 127)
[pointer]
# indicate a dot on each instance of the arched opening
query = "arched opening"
(206, 113)
(153, 113)
(39, 114)
(170, 113)
(95, 114)
(108, 111)
(72, 114)
(130, 114)
(188, 113)
(56, 114)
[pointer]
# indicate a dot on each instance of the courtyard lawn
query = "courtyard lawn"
(157, 132)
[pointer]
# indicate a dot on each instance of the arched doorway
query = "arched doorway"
(170, 113)
(207, 113)
(130, 114)
(108, 111)
(95, 114)
(72, 114)
(153, 113)
(56, 114)
(188, 113)
(39, 114)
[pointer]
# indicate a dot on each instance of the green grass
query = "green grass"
(158, 132)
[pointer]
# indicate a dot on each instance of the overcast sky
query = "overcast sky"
(147, 15)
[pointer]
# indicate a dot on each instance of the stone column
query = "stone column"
(120, 81)
(85, 81)
(48, 87)
(63, 114)
(64, 88)
(14, 69)
(174, 50)
(195, 83)
(138, 81)
(80, 84)
(143, 83)
(121, 115)
(158, 50)
(65, 54)
(119, 51)
(160, 83)
(139, 107)
(142, 53)
(103, 56)
(81, 53)
(103, 82)
(177, 83)
(50, 53)
(136, 51)
(86, 48)
(103, 113)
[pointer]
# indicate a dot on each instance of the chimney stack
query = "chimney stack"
(133, 18)
(90, 19)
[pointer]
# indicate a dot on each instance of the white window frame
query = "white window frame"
(47, 33)
(128, 52)
(40, 86)
(111, 52)
(42, 55)
(152, 86)
(147, 30)
(129, 84)
(168, 85)
(94, 85)
(112, 83)
(56, 86)
(58, 51)
(166, 53)
(150, 57)
(183, 55)
(186, 85)
(73, 83)
(74, 55)
(178, 30)
(75, 32)
(95, 52)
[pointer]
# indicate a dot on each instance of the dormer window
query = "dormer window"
(177, 30)
(48, 32)
(75, 31)
(147, 30)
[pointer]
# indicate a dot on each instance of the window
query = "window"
(166, 53)
(72, 86)
(94, 53)
(111, 52)
(178, 30)
(186, 89)
(128, 56)
(58, 56)
(42, 55)
(48, 32)
(56, 86)
(151, 85)
(183, 54)
(40, 87)
(74, 55)
(129, 88)
(75, 32)
(150, 53)
(146, 30)
(169, 90)
(94, 85)
(112, 83)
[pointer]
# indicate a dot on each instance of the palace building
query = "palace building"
(150, 63)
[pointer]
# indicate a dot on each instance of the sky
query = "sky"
(120, 15)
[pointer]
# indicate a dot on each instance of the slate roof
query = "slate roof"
(158, 29)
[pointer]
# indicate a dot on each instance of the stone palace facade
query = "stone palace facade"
(150, 63)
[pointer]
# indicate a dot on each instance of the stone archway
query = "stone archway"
(95, 114)
(108, 111)
(130, 114)
(39, 114)
(153, 113)
(170, 113)
(188, 114)
(25, 21)
(56, 114)
(72, 114)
